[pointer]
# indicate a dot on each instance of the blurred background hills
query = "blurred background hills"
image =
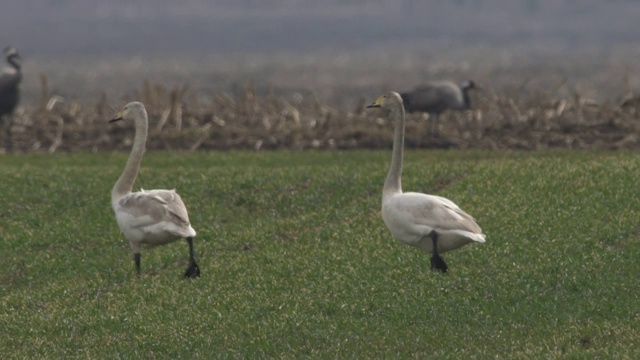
(197, 26)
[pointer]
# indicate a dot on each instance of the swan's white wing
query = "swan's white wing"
(173, 204)
(149, 208)
(436, 212)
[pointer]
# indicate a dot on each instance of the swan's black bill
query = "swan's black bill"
(373, 106)
(117, 118)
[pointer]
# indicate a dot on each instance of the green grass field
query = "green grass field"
(297, 263)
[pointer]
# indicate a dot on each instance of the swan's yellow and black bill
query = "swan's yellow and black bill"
(377, 103)
(117, 117)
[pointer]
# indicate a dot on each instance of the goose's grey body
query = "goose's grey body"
(436, 97)
(10, 79)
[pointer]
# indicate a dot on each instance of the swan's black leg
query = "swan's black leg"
(193, 271)
(136, 258)
(437, 262)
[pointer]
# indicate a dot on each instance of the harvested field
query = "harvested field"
(180, 121)
(308, 102)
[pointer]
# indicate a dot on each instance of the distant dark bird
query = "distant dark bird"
(436, 97)
(9, 81)
(9, 93)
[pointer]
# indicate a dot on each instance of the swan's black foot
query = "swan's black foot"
(437, 263)
(193, 271)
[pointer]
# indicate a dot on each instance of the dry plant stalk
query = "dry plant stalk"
(251, 122)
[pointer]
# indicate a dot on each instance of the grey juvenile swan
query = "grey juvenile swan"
(431, 223)
(148, 217)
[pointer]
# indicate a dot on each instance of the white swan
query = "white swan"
(431, 223)
(148, 217)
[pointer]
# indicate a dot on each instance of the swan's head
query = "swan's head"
(131, 111)
(389, 101)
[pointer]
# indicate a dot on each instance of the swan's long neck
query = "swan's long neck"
(124, 185)
(393, 183)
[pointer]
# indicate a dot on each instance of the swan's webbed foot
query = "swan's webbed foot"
(193, 271)
(437, 263)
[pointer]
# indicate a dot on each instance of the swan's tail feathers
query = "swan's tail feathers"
(479, 238)
(467, 235)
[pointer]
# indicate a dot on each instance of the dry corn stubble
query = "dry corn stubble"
(184, 120)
